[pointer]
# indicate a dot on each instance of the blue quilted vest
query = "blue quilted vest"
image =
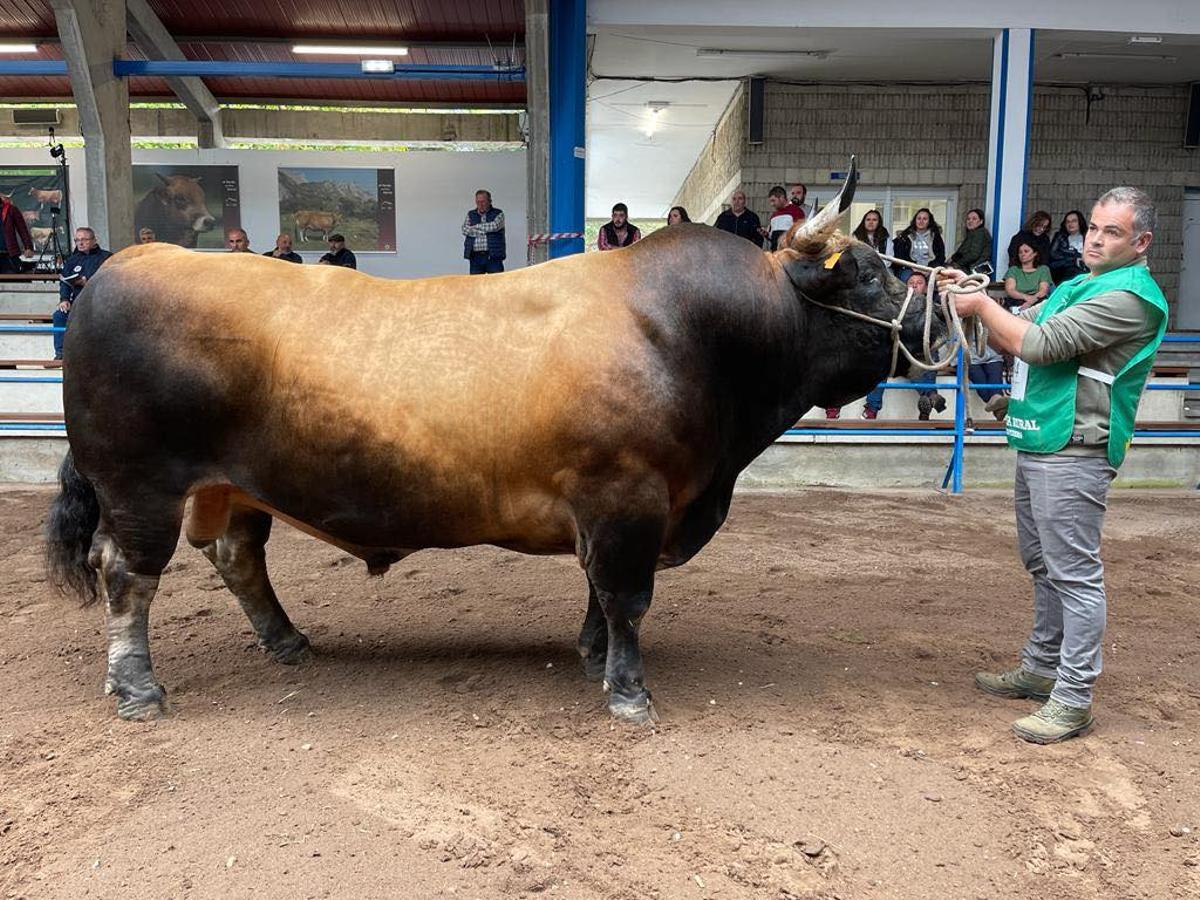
(495, 239)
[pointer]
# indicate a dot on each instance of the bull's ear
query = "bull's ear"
(817, 276)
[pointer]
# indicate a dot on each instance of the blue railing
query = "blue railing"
(954, 469)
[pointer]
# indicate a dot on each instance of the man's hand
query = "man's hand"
(64, 306)
(28, 254)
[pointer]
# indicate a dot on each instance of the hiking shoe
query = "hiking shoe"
(833, 412)
(1015, 683)
(939, 402)
(869, 413)
(924, 405)
(1054, 722)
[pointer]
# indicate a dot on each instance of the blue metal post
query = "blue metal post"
(567, 81)
(960, 422)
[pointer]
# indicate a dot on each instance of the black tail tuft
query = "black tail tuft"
(74, 515)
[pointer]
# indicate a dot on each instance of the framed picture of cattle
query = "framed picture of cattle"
(38, 193)
(359, 204)
(192, 206)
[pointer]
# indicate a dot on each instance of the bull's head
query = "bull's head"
(847, 356)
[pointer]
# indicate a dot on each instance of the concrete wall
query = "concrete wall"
(717, 171)
(937, 136)
(434, 189)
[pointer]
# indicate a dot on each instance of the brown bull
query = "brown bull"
(601, 405)
(307, 220)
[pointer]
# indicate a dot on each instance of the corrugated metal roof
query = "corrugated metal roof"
(264, 30)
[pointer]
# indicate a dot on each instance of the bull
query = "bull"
(307, 220)
(601, 405)
(175, 210)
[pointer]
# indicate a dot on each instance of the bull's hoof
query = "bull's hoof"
(291, 651)
(139, 704)
(637, 709)
(593, 666)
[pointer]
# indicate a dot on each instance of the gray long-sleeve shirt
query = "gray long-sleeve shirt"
(1103, 333)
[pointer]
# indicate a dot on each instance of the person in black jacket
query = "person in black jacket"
(739, 220)
(77, 269)
(921, 243)
(283, 250)
(1066, 248)
(338, 255)
(1036, 233)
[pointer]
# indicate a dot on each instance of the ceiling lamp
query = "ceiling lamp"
(349, 50)
(761, 54)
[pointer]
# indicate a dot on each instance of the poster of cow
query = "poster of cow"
(192, 206)
(359, 204)
(38, 192)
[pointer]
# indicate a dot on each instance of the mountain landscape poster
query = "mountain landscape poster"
(359, 204)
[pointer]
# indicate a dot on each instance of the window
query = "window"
(899, 205)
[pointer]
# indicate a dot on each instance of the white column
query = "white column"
(1008, 152)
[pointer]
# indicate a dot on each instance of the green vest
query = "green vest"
(1041, 412)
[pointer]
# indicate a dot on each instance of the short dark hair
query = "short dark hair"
(777, 191)
(620, 207)
(338, 237)
(485, 192)
(1037, 254)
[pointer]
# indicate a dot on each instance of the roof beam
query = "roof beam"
(152, 36)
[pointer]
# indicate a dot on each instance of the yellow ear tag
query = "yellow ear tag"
(832, 261)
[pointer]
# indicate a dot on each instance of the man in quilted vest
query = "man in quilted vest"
(483, 233)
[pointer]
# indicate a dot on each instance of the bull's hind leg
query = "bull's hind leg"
(127, 588)
(620, 556)
(593, 638)
(240, 557)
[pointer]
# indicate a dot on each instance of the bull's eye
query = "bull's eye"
(181, 202)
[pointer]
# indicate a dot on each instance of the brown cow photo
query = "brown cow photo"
(191, 206)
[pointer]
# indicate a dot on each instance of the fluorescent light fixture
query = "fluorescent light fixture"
(1145, 39)
(655, 107)
(761, 54)
(1133, 57)
(10, 47)
(349, 50)
(378, 66)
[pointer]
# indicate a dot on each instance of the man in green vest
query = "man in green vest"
(1082, 359)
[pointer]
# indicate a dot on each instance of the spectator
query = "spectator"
(988, 369)
(1028, 282)
(17, 242)
(283, 250)
(921, 243)
(871, 232)
(741, 221)
(1066, 248)
(1036, 232)
(976, 245)
(78, 268)
(798, 194)
(784, 215)
(147, 236)
(338, 255)
(927, 400)
(677, 216)
(237, 240)
(619, 231)
(483, 236)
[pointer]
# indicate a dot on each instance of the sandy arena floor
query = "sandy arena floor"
(820, 733)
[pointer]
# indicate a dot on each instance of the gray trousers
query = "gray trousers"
(1060, 504)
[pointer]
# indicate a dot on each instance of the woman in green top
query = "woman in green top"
(976, 246)
(1029, 282)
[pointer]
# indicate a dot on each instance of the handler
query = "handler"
(1083, 357)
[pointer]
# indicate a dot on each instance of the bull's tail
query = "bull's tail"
(74, 515)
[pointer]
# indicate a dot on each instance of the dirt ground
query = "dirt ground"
(820, 734)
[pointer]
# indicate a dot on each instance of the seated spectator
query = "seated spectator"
(871, 232)
(78, 268)
(739, 220)
(1028, 282)
(1036, 233)
(987, 369)
(677, 216)
(1066, 248)
(618, 231)
(146, 236)
(921, 243)
(976, 246)
(784, 214)
(237, 240)
(338, 255)
(283, 250)
(927, 400)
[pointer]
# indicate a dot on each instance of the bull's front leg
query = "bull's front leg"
(620, 558)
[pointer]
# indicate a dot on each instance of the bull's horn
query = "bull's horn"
(816, 231)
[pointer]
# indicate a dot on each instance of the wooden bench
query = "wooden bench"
(46, 417)
(30, 363)
(28, 318)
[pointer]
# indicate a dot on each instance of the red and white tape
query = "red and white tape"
(549, 236)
